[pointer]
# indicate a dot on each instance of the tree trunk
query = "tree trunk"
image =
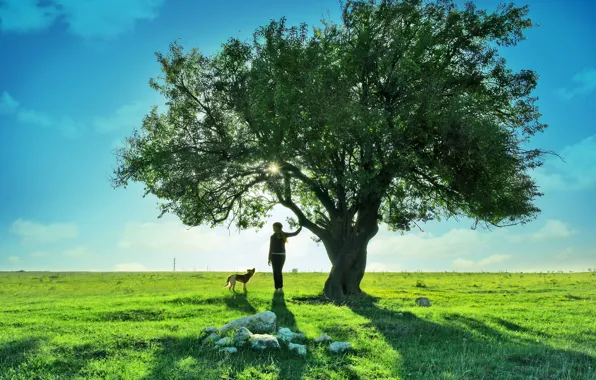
(349, 266)
(348, 250)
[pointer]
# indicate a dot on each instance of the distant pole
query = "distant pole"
(174, 264)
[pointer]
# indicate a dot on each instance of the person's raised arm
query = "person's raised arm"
(290, 234)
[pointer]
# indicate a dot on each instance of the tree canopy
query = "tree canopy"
(402, 113)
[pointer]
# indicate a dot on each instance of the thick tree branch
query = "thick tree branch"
(302, 219)
(318, 191)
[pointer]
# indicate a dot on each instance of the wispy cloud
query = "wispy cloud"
(585, 83)
(577, 172)
(39, 254)
(169, 237)
(383, 267)
(87, 19)
(489, 262)
(14, 259)
(8, 104)
(125, 118)
(552, 230)
(454, 243)
(130, 267)
(29, 117)
(26, 116)
(77, 252)
(23, 16)
(31, 232)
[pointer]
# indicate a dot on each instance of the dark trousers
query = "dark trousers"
(277, 262)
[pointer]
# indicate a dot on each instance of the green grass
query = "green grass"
(148, 326)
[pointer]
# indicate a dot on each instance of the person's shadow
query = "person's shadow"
(291, 366)
(285, 318)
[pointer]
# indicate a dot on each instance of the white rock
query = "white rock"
(229, 350)
(323, 339)
(340, 346)
(300, 349)
(224, 341)
(210, 330)
(263, 341)
(422, 301)
(213, 337)
(260, 323)
(241, 336)
(286, 335)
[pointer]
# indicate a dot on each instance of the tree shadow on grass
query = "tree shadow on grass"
(17, 359)
(14, 353)
(464, 347)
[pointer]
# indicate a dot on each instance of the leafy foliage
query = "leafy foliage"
(404, 109)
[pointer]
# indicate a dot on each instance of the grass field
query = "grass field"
(147, 326)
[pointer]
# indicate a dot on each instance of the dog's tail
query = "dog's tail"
(227, 281)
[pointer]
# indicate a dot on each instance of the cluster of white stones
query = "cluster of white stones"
(256, 331)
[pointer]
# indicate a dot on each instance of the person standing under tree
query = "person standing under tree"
(277, 253)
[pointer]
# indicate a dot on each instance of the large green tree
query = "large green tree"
(402, 113)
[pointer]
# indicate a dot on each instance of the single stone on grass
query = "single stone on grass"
(224, 341)
(210, 330)
(213, 337)
(422, 301)
(286, 335)
(229, 350)
(324, 338)
(261, 323)
(241, 336)
(300, 349)
(340, 347)
(264, 341)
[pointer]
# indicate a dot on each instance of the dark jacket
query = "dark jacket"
(277, 244)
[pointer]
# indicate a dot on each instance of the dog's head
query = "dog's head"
(252, 271)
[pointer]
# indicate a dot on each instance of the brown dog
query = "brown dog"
(243, 278)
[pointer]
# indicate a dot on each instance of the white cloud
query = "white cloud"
(383, 267)
(456, 242)
(8, 104)
(578, 172)
(40, 233)
(156, 244)
(464, 264)
(125, 118)
(14, 259)
(80, 251)
(552, 230)
(586, 83)
(87, 19)
(130, 267)
(169, 237)
(174, 237)
(39, 254)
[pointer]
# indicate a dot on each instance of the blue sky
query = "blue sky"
(74, 82)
